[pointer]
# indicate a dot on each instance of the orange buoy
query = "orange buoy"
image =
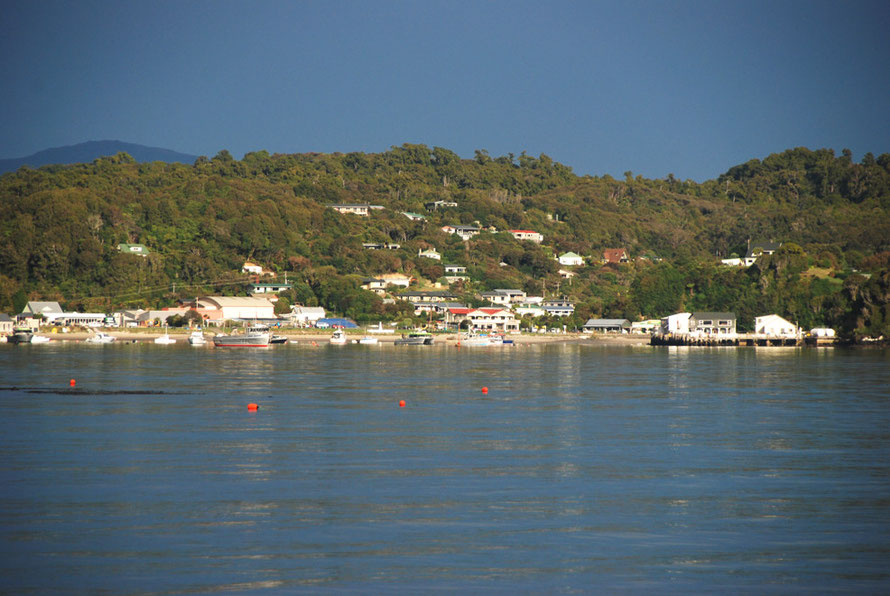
(402, 403)
(252, 407)
(72, 382)
(485, 390)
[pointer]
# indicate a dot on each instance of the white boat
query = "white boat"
(367, 341)
(338, 337)
(417, 338)
(39, 339)
(165, 339)
(197, 338)
(100, 338)
(257, 336)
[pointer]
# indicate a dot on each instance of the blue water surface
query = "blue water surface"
(584, 468)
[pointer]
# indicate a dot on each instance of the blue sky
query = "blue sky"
(689, 88)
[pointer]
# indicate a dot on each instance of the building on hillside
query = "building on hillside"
(529, 309)
(254, 269)
(535, 237)
(465, 232)
(759, 249)
(381, 246)
(238, 308)
(396, 279)
(607, 326)
(712, 323)
(427, 296)
(482, 319)
(134, 249)
(373, 284)
(566, 274)
(503, 296)
(361, 209)
(615, 255)
(258, 288)
(429, 253)
(421, 308)
(434, 205)
(570, 259)
(414, 216)
(558, 307)
(776, 326)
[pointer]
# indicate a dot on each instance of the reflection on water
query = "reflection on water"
(628, 470)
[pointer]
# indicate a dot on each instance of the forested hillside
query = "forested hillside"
(61, 225)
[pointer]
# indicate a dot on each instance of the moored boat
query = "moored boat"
(100, 338)
(39, 339)
(165, 339)
(197, 338)
(257, 336)
(367, 341)
(21, 334)
(416, 338)
(278, 339)
(338, 337)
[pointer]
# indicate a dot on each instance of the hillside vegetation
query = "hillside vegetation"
(61, 226)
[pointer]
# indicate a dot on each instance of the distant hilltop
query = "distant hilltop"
(87, 152)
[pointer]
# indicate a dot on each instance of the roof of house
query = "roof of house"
(614, 254)
(606, 322)
(569, 254)
(43, 307)
(223, 301)
(4, 318)
(523, 232)
(713, 315)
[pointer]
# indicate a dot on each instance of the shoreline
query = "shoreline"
(320, 337)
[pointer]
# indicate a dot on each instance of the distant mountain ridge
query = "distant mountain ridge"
(87, 152)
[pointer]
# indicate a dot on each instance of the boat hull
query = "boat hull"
(259, 340)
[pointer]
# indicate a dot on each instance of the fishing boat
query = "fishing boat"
(415, 338)
(257, 336)
(21, 334)
(338, 337)
(197, 338)
(165, 339)
(100, 338)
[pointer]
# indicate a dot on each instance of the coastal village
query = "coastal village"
(501, 313)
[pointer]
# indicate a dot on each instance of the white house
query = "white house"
(676, 323)
(465, 232)
(570, 259)
(396, 279)
(305, 316)
(429, 253)
(504, 297)
(775, 326)
(483, 319)
(363, 209)
(249, 267)
(528, 235)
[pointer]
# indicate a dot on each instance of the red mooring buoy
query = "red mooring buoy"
(72, 382)
(252, 407)
(401, 403)
(485, 390)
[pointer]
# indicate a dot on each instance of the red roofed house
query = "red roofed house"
(528, 235)
(615, 255)
(483, 319)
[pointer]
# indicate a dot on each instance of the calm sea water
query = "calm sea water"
(583, 469)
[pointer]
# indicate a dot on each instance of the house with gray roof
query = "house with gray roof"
(607, 326)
